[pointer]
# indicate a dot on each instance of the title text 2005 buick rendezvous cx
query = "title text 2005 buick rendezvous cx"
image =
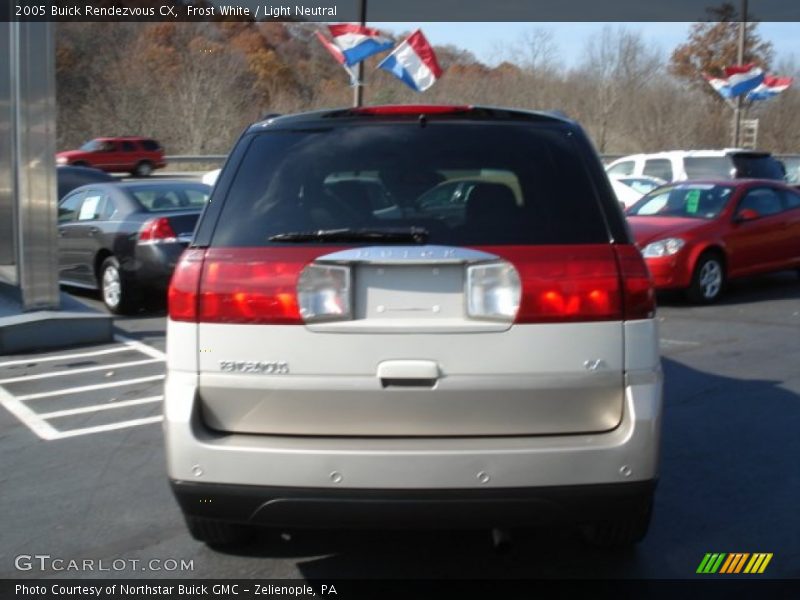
(413, 315)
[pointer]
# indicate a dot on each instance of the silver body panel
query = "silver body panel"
(627, 452)
(531, 379)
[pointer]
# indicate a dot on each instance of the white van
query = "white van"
(680, 165)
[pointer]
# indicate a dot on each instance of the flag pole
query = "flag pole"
(737, 110)
(358, 90)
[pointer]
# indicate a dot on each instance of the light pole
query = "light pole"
(737, 110)
(358, 91)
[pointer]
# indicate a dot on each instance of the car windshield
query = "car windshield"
(695, 201)
(461, 183)
(92, 146)
(157, 198)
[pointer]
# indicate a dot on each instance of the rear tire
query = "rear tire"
(117, 293)
(143, 169)
(219, 533)
(708, 279)
(622, 532)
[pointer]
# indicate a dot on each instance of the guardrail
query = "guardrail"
(190, 158)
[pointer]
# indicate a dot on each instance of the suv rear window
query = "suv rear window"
(758, 167)
(464, 183)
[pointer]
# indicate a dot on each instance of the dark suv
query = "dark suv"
(343, 350)
(136, 155)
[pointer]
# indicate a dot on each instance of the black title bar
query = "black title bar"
(706, 587)
(419, 11)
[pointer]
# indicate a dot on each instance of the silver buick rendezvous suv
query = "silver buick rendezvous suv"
(400, 316)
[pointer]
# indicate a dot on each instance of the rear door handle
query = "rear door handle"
(93, 230)
(408, 373)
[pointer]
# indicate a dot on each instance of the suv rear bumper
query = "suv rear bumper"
(628, 453)
(392, 509)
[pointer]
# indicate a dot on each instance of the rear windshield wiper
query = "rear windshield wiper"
(415, 235)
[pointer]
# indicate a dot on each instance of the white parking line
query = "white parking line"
(79, 371)
(143, 348)
(16, 405)
(99, 407)
(27, 361)
(89, 388)
(34, 422)
(121, 425)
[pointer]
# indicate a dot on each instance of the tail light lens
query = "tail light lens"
(565, 283)
(184, 286)
(250, 285)
(638, 292)
(323, 293)
(157, 231)
(531, 284)
(493, 292)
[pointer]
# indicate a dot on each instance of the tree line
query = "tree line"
(195, 86)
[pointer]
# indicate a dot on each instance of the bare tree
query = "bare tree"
(617, 66)
(779, 118)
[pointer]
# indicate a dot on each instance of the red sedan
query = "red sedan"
(696, 235)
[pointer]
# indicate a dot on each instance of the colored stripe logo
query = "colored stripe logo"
(734, 563)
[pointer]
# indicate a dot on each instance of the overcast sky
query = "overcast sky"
(483, 39)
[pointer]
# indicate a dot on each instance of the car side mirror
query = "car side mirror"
(745, 215)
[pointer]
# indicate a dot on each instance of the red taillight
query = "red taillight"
(411, 109)
(565, 283)
(638, 292)
(253, 285)
(184, 286)
(157, 230)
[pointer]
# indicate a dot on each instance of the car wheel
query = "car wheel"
(622, 532)
(708, 279)
(219, 533)
(143, 169)
(115, 291)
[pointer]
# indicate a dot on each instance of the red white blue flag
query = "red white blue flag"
(739, 80)
(356, 42)
(414, 63)
(770, 87)
(338, 56)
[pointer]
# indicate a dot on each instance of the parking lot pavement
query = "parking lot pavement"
(729, 478)
(87, 391)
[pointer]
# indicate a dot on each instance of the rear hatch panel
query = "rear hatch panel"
(410, 363)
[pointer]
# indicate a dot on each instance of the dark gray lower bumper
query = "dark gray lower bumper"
(388, 509)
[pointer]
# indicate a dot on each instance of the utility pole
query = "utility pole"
(737, 110)
(358, 91)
